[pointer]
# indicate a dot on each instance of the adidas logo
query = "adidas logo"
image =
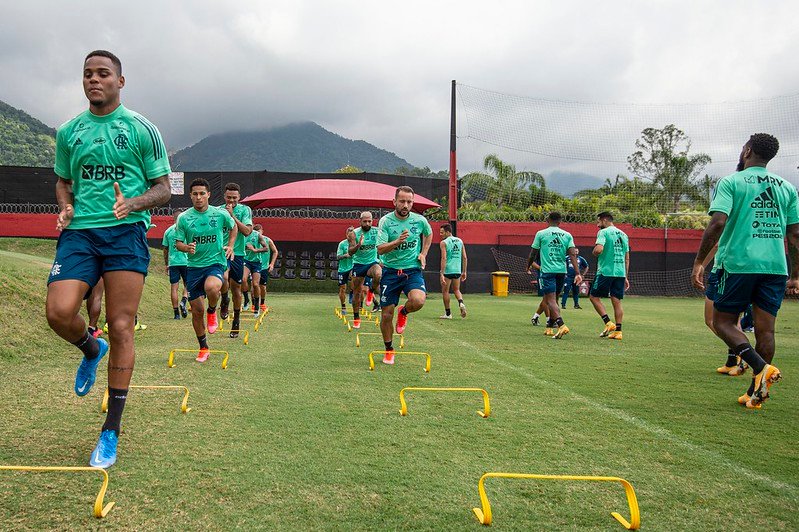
(555, 242)
(78, 142)
(765, 200)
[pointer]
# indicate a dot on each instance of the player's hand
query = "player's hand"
(360, 240)
(228, 252)
(229, 208)
(698, 276)
(463, 276)
(793, 286)
(403, 236)
(65, 217)
(270, 268)
(441, 279)
(192, 248)
(122, 204)
(423, 259)
(626, 284)
(578, 279)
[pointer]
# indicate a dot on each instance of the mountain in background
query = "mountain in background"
(300, 147)
(567, 183)
(24, 141)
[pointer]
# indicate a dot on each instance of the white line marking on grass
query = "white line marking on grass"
(637, 422)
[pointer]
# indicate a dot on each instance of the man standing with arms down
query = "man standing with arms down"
(403, 241)
(344, 268)
(207, 234)
(175, 261)
(549, 247)
(363, 250)
(612, 250)
(453, 269)
(752, 213)
(569, 285)
(112, 167)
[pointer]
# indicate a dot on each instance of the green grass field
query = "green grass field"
(298, 434)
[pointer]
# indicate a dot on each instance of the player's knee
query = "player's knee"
(120, 327)
(58, 313)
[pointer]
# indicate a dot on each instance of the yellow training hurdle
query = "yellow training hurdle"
(99, 509)
(171, 361)
(359, 334)
(486, 402)
(485, 517)
(245, 335)
(418, 353)
(184, 405)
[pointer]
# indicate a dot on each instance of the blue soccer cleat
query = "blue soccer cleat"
(87, 371)
(104, 454)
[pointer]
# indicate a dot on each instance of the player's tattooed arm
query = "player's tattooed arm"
(166, 256)
(711, 236)
(532, 261)
(158, 194)
(443, 256)
(353, 245)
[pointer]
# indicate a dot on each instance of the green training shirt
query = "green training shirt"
(94, 152)
(367, 253)
(454, 247)
(405, 256)
(266, 256)
(210, 230)
(254, 240)
(345, 265)
(243, 214)
(553, 243)
(174, 255)
(610, 262)
(759, 206)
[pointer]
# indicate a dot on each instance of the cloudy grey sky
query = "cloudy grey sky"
(381, 71)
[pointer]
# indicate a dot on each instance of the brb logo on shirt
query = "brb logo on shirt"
(99, 172)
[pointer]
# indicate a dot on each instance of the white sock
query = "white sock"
(536, 315)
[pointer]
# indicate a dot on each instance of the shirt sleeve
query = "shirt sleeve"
(247, 218)
(570, 243)
(537, 241)
(180, 232)
(426, 230)
(229, 223)
(62, 168)
(382, 234)
(153, 152)
(793, 208)
(626, 244)
(722, 197)
(600, 238)
(165, 240)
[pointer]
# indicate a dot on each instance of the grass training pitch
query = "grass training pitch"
(297, 433)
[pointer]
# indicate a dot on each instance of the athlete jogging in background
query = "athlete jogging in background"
(453, 269)
(206, 234)
(752, 212)
(242, 217)
(403, 241)
(268, 258)
(363, 250)
(344, 267)
(175, 262)
(112, 168)
(612, 250)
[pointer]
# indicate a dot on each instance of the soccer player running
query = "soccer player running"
(453, 269)
(242, 216)
(112, 168)
(256, 246)
(363, 250)
(403, 241)
(549, 247)
(612, 250)
(344, 268)
(175, 261)
(752, 213)
(200, 232)
(569, 284)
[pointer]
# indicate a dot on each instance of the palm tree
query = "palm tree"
(502, 184)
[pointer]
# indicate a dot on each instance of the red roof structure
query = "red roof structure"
(332, 193)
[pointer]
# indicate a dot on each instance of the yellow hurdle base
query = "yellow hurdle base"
(99, 510)
(184, 405)
(171, 360)
(484, 515)
(486, 402)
